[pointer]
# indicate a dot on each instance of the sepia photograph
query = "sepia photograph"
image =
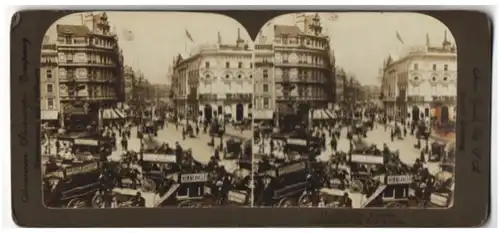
(354, 110)
(331, 110)
(146, 109)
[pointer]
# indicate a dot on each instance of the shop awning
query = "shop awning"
(330, 113)
(49, 115)
(262, 114)
(75, 111)
(320, 114)
(112, 113)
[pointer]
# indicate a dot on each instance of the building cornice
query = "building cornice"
(416, 55)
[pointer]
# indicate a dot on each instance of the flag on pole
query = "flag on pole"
(189, 36)
(399, 37)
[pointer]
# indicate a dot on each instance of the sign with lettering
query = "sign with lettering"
(82, 169)
(158, 158)
(86, 142)
(367, 159)
(57, 174)
(296, 141)
(271, 173)
(291, 168)
(403, 179)
(236, 197)
(194, 178)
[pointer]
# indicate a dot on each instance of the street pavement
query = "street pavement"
(378, 136)
(199, 146)
(202, 152)
(407, 151)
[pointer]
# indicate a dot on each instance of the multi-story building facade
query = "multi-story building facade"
(49, 91)
(340, 83)
(303, 67)
(264, 84)
(129, 80)
(215, 81)
(423, 84)
(90, 68)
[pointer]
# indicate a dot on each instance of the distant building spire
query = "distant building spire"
(428, 40)
(219, 39)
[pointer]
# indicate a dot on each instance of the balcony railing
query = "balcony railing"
(415, 98)
(444, 98)
(86, 63)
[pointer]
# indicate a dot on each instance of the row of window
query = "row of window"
(227, 76)
(228, 65)
(304, 91)
(109, 92)
(226, 87)
(98, 73)
(299, 58)
(300, 41)
(445, 90)
(69, 40)
(434, 67)
(85, 57)
(434, 79)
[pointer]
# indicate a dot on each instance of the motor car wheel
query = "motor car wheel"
(98, 201)
(148, 185)
(356, 186)
(305, 200)
(285, 202)
(76, 203)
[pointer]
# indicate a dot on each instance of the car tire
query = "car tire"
(76, 203)
(148, 185)
(97, 201)
(356, 186)
(285, 202)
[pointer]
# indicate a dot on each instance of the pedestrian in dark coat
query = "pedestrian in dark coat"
(124, 144)
(333, 143)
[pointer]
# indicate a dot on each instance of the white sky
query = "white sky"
(160, 36)
(361, 41)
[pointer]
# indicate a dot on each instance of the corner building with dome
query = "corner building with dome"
(215, 81)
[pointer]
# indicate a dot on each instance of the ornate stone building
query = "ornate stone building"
(264, 84)
(422, 84)
(215, 81)
(90, 70)
(303, 68)
(49, 91)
